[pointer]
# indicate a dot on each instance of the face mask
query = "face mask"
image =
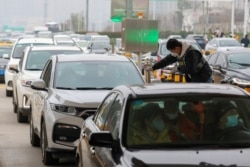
(172, 116)
(174, 54)
(232, 121)
(158, 125)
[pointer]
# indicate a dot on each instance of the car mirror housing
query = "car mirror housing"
(38, 85)
(101, 139)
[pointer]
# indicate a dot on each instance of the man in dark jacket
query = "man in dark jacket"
(245, 41)
(190, 61)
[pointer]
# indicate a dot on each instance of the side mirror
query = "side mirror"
(101, 139)
(38, 85)
(6, 56)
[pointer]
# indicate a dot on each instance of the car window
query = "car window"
(18, 49)
(225, 43)
(96, 74)
(46, 75)
(114, 115)
(103, 111)
(212, 58)
(238, 60)
(221, 60)
(219, 116)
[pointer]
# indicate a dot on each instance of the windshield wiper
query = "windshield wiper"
(34, 69)
(94, 88)
(65, 88)
(205, 164)
(242, 64)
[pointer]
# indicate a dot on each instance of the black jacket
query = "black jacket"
(192, 64)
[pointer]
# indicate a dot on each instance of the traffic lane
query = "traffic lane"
(15, 147)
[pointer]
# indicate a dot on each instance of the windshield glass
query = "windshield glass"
(226, 43)
(239, 60)
(187, 122)
(37, 59)
(99, 74)
(18, 49)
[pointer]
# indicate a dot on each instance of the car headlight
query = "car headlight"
(25, 82)
(240, 81)
(64, 109)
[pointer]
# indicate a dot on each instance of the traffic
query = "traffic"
(128, 94)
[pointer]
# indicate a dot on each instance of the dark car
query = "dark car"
(198, 38)
(4, 51)
(231, 66)
(220, 113)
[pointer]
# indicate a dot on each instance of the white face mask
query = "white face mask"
(175, 54)
(172, 116)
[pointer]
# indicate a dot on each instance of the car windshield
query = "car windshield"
(163, 49)
(100, 45)
(226, 43)
(37, 59)
(5, 51)
(95, 75)
(20, 47)
(187, 121)
(239, 60)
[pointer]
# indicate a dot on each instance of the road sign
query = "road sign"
(140, 35)
(119, 9)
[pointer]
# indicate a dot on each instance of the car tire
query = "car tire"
(20, 117)
(46, 156)
(9, 93)
(34, 139)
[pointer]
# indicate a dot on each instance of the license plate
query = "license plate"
(2, 72)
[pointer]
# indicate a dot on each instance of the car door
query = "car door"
(39, 96)
(107, 118)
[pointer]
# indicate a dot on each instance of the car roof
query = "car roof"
(35, 40)
(182, 88)
(54, 47)
(92, 57)
(233, 50)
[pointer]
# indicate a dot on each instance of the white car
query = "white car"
(15, 55)
(69, 89)
(222, 44)
(30, 67)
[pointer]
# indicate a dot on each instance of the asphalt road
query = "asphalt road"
(15, 147)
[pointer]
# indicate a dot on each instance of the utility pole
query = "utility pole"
(129, 9)
(232, 18)
(246, 14)
(45, 12)
(87, 16)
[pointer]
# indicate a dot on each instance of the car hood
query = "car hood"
(78, 98)
(31, 74)
(224, 157)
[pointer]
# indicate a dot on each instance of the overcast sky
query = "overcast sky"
(24, 12)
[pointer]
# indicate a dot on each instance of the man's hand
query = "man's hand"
(148, 68)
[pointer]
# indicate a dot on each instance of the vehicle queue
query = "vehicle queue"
(107, 134)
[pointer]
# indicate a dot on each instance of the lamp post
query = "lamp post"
(87, 16)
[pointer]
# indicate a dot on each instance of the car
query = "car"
(29, 68)
(175, 36)
(109, 136)
(99, 47)
(61, 39)
(16, 54)
(68, 90)
(231, 66)
(5, 51)
(222, 44)
(199, 38)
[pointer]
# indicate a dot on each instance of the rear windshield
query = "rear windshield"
(20, 47)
